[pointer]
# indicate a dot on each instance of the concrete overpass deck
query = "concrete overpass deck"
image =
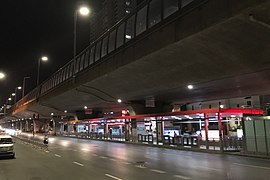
(220, 47)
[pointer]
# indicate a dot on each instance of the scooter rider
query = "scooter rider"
(46, 139)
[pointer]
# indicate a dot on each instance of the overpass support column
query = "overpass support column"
(56, 125)
(220, 128)
(26, 126)
(21, 125)
(34, 127)
(127, 129)
(105, 129)
(160, 130)
(206, 130)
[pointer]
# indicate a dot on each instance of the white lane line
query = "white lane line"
(79, 164)
(111, 176)
(140, 166)
(47, 151)
(207, 168)
(57, 155)
(103, 157)
(181, 177)
(127, 163)
(158, 171)
(153, 158)
(178, 154)
(113, 159)
(246, 165)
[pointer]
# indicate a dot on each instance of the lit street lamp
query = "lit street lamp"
(83, 11)
(15, 94)
(2, 75)
(8, 101)
(44, 59)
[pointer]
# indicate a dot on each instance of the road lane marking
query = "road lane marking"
(158, 171)
(152, 158)
(95, 155)
(140, 166)
(103, 157)
(207, 168)
(78, 163)
(181, 177)
(229, 175)
(246, 165)
(57, 155)
(111, 176)
(47, 151)
(113, 159)
(127, 163)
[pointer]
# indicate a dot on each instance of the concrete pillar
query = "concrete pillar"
(105, 128)
(56, 125)
(160, 130)
(34, 127)
(21, 125)
(206, 119)
(127, 130)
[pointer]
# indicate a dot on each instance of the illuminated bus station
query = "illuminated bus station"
(194, 128)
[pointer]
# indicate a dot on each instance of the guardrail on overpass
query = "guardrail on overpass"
(142, 20)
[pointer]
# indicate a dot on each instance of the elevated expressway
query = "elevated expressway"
(220, 47)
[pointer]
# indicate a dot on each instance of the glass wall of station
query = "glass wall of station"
(212, 130)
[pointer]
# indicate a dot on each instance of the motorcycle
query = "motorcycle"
(46, 140)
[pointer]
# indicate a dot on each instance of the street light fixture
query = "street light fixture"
(2, 75)
(190, 87)
(15, 94)
(83, 11)
(44, 59)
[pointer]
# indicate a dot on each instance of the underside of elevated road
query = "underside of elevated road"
(220, 47)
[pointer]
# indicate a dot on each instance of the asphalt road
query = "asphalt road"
(68, 159)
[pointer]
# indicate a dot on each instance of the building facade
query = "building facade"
(111, 12)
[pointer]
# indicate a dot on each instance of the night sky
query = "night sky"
(32, 28)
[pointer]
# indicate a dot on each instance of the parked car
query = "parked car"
(6, 146)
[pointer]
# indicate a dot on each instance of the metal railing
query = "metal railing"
(142, 20)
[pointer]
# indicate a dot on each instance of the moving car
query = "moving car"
(6, 146)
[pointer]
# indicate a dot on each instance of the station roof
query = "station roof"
(236, 111)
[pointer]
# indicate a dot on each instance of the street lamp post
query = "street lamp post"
(23, 90)
(84, 11)
(15, 96)
(43, 58)
(8, 102)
